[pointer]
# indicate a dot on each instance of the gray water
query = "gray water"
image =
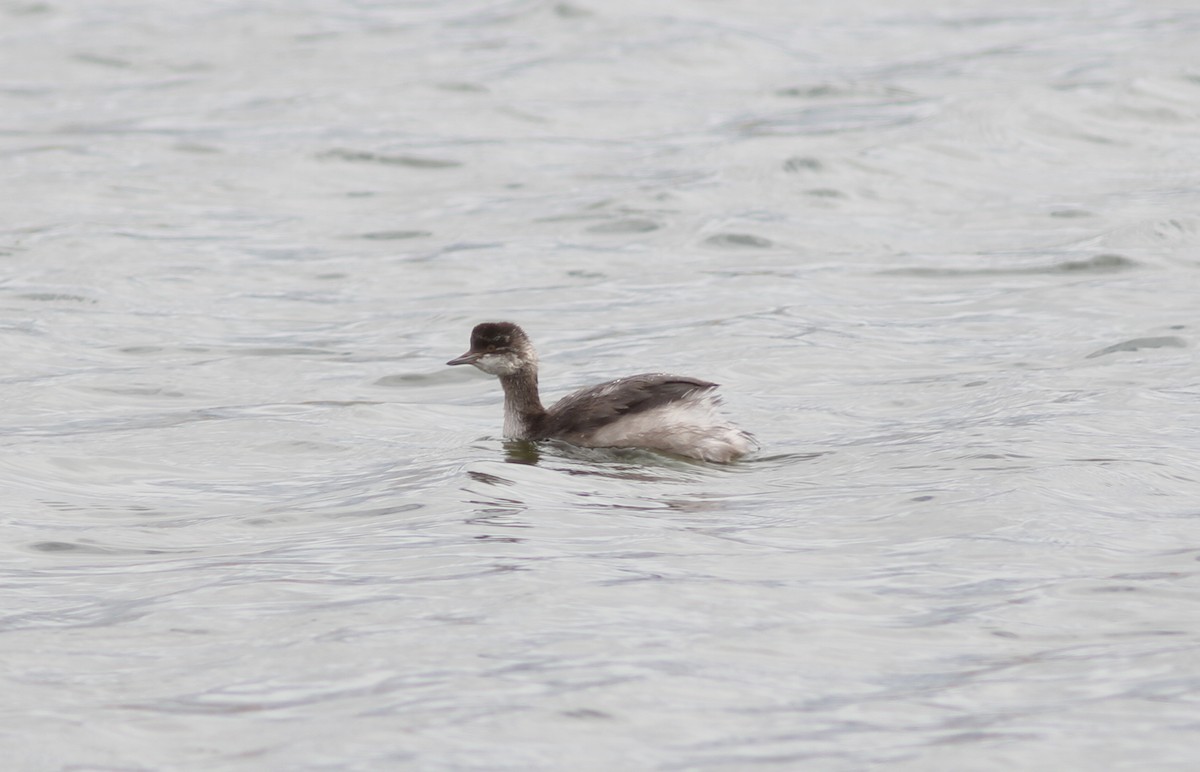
(942, 257)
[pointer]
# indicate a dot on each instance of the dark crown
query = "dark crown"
(496, 336)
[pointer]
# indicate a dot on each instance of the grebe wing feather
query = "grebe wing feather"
(594, 406)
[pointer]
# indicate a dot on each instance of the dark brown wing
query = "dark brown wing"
(594, 406)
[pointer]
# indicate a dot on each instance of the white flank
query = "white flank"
(688, 427)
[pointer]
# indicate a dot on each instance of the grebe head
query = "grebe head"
(498, 348)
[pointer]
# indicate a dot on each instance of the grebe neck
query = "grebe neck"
(523, 411)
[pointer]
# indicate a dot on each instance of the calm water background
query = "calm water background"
(944, 257)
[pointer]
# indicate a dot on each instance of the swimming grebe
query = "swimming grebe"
(661, 412)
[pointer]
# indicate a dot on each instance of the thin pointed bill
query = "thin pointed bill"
(468, 358)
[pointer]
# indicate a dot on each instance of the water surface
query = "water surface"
(941, 257)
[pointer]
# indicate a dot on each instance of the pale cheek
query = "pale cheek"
(495, 364)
